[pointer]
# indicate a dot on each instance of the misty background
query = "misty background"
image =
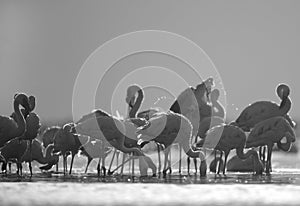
(43, 44)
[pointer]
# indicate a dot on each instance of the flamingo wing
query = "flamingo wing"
(257, 112)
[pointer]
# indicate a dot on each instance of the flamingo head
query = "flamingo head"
(283, 91)
(131, 94)
(31, 101)
(23, 100)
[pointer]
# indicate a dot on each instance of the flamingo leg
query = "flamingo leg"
(117, 157)
(260, 152)
(102, 157)
(9, 167)
(195, 159)
(225, 162)
(166, 161)
(88, 163)
(195, 164)
(98, 167)
(30, 150)
(188, 164)
(73, 155)
(20, 168)
(270, 148)
(123, 162)
(180, 159)
(219, 166)
(103, 165)
(169, 161)
(121, 165)
(112, 159)
(65, 163)
(264, 154)
(159, 159)
(132, 166)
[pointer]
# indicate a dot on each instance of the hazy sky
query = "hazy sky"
(43, 44)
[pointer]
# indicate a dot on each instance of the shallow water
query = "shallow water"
(51, 188)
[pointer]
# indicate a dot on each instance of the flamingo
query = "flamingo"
(32, 124)
(231, 137)
(14, 149)
(65, 141)
(263, 110)
(269, 132)
(118, 133)
(19, 150)
(92, 149)
(10, 128)
(168, 128)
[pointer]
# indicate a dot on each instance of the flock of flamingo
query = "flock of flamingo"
(195, 122)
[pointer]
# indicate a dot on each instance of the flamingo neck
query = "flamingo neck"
(190, 151)
(220, 108)
(137, 104)
(285, 105)
(21, 125)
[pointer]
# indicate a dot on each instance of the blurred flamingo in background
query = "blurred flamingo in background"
(10, 128)
(269, 132)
